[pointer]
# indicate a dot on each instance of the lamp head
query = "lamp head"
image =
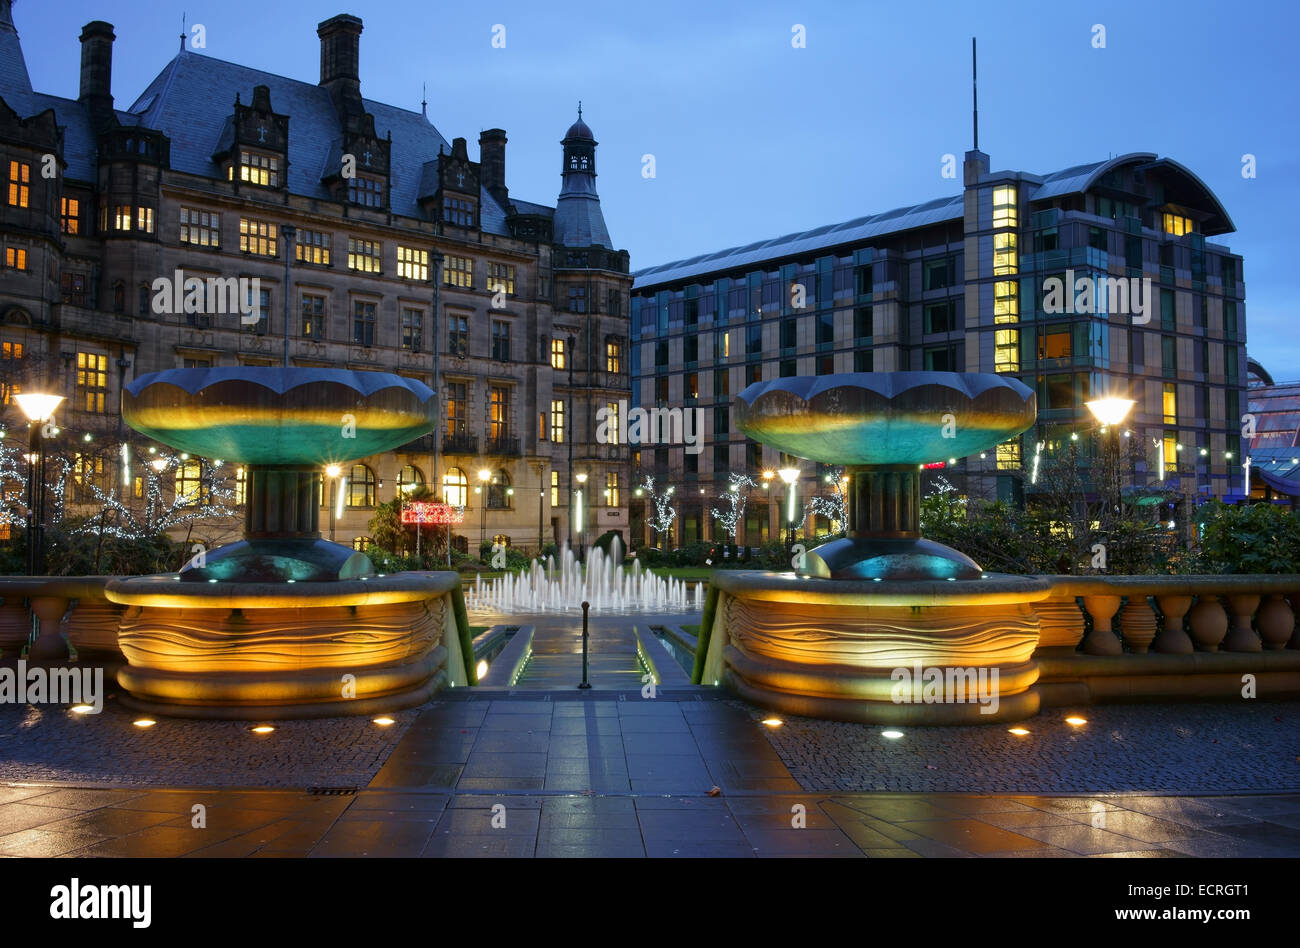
(37, 407)
(789, 474)
(1110, 411)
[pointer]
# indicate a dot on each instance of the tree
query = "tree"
(834, 507)
(736, 495)
(662, 522)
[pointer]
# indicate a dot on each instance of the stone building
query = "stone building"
(407, 256)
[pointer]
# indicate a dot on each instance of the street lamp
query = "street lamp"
(577, 510)
(484, 475)
(790, 475)
(333, 471)
(1110, 413)
(38, 408)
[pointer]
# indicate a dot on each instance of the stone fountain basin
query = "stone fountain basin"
(275, 416)
(883, 418)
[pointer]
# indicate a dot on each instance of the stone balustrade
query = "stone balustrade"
(52, 613)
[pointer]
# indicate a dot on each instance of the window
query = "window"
(1006, 350)
(20, 177)
(1176, 224)
(825, 329)
(1008, 455)
(412, 328)
(661, 355)
(611, 418)
(557, 420)
(1168, 356)
(555, 488)
(457, 402)
(863, 323)
(577, 299)
(16, 258)
(73, 287)
(409, 478)
(498, 413)
(363, 322)
(1005, 260)
(361, 487)
(92, 381)
(1171, 452)
(313, 316)
(458, 211)
(557, 353)
(144, 220)
(614, 306)
(721, 382)
(366, 191)
(458, 335)
(499, 491)
(1168, 314)
(313, 246)
(611, 489)
(500, 340)
(863, 361)
(789, 333)
(70, 216)
(941, 317)
(754, 340)
(189, 483)
(1004, 207)
(261, 307)
(1230, 319)
(364, 255)
(501, 278)
(1097, 239)
(197, 364)
(259, 169)
(360, 543)
(121, 217)
(1006, 304)
(458, 271)
(200, 228)
(9, 353)
(412, 263)
(939, 274)
(613, 356)
(87, 473)
(257, 237)
(1169, 402)
(1057, 344)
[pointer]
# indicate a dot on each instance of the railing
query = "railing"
(421, 445)
(503, 446)
(460, 444)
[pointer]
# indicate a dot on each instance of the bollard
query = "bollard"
(585, 683)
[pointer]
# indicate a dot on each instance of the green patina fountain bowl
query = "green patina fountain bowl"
(275, 416)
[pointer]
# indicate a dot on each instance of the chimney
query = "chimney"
(97, 66)
(492, 164)
(340, 58)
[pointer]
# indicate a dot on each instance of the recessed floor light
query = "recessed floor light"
(82, 708)
(1018, 731)
(892, 735)
(481, 669)
(144, 722)
(773, 722)
(384, 721)
(262, 729)
(1075, 720)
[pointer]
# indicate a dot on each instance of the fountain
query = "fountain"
(284, 623)
(881, 625)
(604, 582)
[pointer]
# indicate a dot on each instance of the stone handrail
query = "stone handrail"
(1175, 615)
(43, 603)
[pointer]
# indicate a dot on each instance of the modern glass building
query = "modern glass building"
(1097, 280)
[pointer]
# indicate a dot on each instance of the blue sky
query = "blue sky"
(753, 138)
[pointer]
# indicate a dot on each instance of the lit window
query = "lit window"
(457, 407)
(409, 477)
(92, 381)
(557, 353)
(555, 488)
(1004, 207)
(360, 543)
(499, 492)
(361, 486)
(70, 216)
(501, 278)
(459, 271)
(259, 169)
(363, 255)
(611, 489)
(1008, 454)
(498, 413)
(1170, 403)
(557, 420)
(313, 246)
(189, 483)
(87, 473)
(20, 176)
(257, 237)
(1005, 261)
(201, 228)
(1006, 350)
(241, 485)
(313, 317)
(455, 487)
(412, 263)
(9, 351)
(368, 192)
(611, 421)
(613, 357)
(144, 220)
(412, 328)
(1006, 305)
(1176, 224)
(16, 258)
(122, 217)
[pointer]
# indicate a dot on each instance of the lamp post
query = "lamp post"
(484, 475)
(1110, 414)
(568, 435)
(38, 408)
(436, 259)
(790, 475)
(578, 513)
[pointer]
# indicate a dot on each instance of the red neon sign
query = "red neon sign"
(423, 511)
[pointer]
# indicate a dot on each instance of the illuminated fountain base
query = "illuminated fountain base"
(277, 650)
(889, 652)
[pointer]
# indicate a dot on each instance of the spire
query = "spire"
(579, 110)
(182, 32)
(578, 218)
(424, 100)
(13, 67)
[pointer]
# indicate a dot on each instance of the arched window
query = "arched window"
(145, 298)
(499, 492)
(455, 487)
(410, 478)
(361, 486)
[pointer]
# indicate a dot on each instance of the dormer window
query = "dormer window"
(257, 168)
(366, 191)
(458, 211)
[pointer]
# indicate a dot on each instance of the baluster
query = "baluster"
(1241, 637)
(50, 645)
(1102, 640)
(1209, 623)
(1060, 623)
(1137, 624)
(1276, 622)
(1172, 639)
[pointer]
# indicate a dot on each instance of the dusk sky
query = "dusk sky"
(753, 138)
